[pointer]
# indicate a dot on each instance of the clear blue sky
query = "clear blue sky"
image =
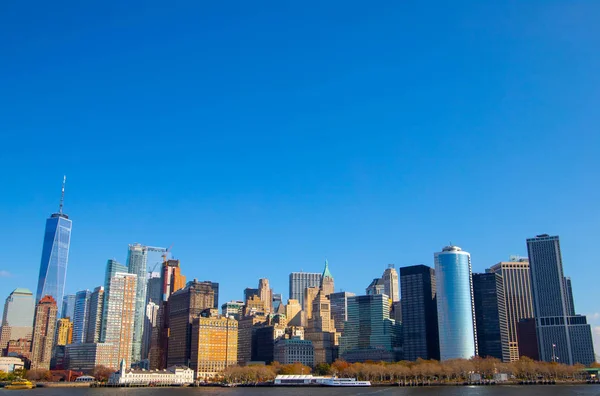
(261, 138)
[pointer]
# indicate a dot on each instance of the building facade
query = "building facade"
(64, 332)
(390, 283)
(569, 296)
(563, 338)
(43, 333)
(214, 345)
(299, 281)
(149, 326)
(294, 350)
(112, 267)
(17, 317)
(246, 343)
(266, 294)
(455, 309)
(86, 356)
(81, 315)
(339, 308)
(293, 312)
(327, 282)
(419, 313)
(490, 316)
(96, 306)
(233, 309)
(121, 315)
(137, 263)
(55, 255)
(375, 287)
(516, 282)
(176, 375)
(68, 306)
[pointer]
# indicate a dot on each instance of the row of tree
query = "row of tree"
(457, 370)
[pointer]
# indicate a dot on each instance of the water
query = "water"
(555, 390)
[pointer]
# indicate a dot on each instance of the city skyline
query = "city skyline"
(264, 140)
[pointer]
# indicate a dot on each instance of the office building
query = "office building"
(264, 341)
(96, 306)
(369, 332)
(528, 342)
(375, 287)
(233, 309)
(121, 315)
(569, 296)
(310, 293)
(455, 309)
(64, 332)
(339, 309)
(563, 338)
(137, 263)
(247, 327)
(154, 289)
(265, 293)
(151, 321)
(173, 280)
(293, 312)
(490, 316)
(43, 333)
(300, 281)
(254, 306)
(86, 356)
(215, 287)
(55, 254)
(68, 306)
(214, 345)
(81, 316)
(183, 307)
(390, 283)
(277, 302)
(17, 317)
(327, 283)
(249, 292)
(19, 348)
(321, 330)
(516, 282)
(294, 350)
(419, 313)
(112, 267)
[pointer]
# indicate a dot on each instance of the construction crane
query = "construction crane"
(165, 253)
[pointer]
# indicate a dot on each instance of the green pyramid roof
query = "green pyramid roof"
(326, 272)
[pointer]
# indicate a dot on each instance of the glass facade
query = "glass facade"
(112, 267)
(455, 308)
(82, 315)
(17, 319)
(68, 306)
(55, 256)
(300, 281)
(137, 258)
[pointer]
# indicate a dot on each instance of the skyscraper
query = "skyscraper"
(121, 316)
(419, 313)
(569, 297)
(213, 346)
(327, 284)
(137, 257)
(249, 292)
(517, 294)
(369, 331)
(490, 316)
(215, 287)
(55, 254)
(563, 338)
(149, 326)
(43, 333)
(300, 281)
(321, 329)
(64, 332)
(82, 315)
(112, 267)
(172, 278)
(183, 306)
(293, 312)
(68, 306)
(17, 319)
(390, 283)
(339, 308)
(154, 292)
(277, 301)
(455, 310)
(265, 294)
(95, 316)
(375, 287)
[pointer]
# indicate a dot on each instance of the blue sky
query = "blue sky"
(260, 139)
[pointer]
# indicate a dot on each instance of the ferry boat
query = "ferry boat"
(344, 382)
(20, 384)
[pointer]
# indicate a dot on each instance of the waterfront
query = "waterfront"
(507, 390)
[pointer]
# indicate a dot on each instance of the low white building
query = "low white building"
(10, 364)
(175, 375)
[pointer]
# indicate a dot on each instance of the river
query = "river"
(529, 390)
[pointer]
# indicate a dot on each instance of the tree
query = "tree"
(338, 367)
(39, 375)
(322, 369)
(102, 373)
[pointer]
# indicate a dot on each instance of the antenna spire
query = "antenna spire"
(62, 195)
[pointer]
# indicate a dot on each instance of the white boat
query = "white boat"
(344, 382)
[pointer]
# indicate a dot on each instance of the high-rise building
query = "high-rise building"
(85, 357)
(419, 313)
(265, 293)
(214, 345)
(215, 287)
(172, 278)
(64, 332)
(517, 294)
(490, 316)
(137, 263)
(82, 315)
(528, 342)
(154, 290)
(68, 306)
(375, 287)
(455, 309)
(17, 319)
(250, 292)
(246, 343)
(321, 330)
(264, 342)
(183, 307)
(339, 309)
(563, 338)
(293, 312)
(121, 315)
(43, 333)
(300, 281)
(94, 324)
(149, 326)
(310, 293)
(233, 309)
(112, 267)
(569, 297)
(327, 283)
(390, 283)
(294, 350)
(55, 254)
(277, 302)
(369, 331)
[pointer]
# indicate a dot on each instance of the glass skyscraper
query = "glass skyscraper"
(81, 316)
(55, 255)
(17, 319)
(137, 258)
(300, 281)
(455, 309)
(68, 306)
(112, 267)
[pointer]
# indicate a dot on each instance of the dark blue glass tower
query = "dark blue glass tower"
(55, 255)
